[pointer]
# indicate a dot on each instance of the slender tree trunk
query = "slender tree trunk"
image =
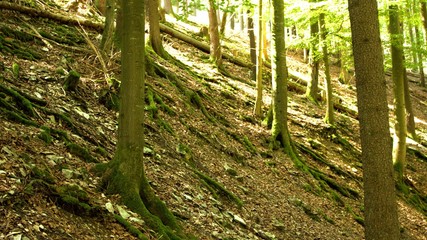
(119, 23)
(381, 219)
(259, 65)
(242, 19)
(233, 21)
(279, 127)
(154, 21)
(329, 117)
(313, 85)
(167, 5)
(266, 53)
(413, 49)
(424, 16)
(252, 45)
(215, 55)
(410, 120)
(224, 20)
(108, 33)
(399, 143)
(421, 47)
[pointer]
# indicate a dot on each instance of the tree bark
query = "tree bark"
(399, 141)
(312, 85)
(154, 21)
(329, 116)
(215, 47)
(108, 33)
(381, 221)
(279, 127)
(252, 45)
(56, 17)
(410, 121)
(421, 47)
(125, 174)
(259, 65)
(168, 7)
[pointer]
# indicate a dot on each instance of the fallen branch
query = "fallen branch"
(199, 45)
(54, 16)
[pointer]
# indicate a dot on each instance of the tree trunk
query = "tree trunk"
(313, 83)
(242, 19)
(265, 43)
(108, 33)
(329, 116)
(259, 65)
(154, 21)
(223, 23)
(119, 23)
(410, 121)
(167, 5)
(252, 45)
(126, 174)
(232, 21)
(410, 13)
(215, 47)
(399, 142)
(424, 15)
(381, 221)
(279, 127)
(421, 47)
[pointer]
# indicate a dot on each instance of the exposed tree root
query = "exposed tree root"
(218, 145)
(322, 160)
(24, 116)
(219, 187)
(412, 195)
(135, 231)
(141, 199)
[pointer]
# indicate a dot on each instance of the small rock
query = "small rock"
(68, 173)
(123, 212)
(109, 207)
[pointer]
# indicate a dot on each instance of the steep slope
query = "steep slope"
(205, 152)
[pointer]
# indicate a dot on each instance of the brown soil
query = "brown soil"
(280, 201)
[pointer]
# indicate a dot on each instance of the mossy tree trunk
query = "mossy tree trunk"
(154, 21)
(313, 84)
(279, 127)
(381, 219)
(329, 116)
(399, 141)
(125, 174)
(215, 47)
(259, 64)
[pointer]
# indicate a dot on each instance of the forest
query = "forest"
(213, 119)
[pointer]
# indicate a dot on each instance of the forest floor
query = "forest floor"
(48, 191)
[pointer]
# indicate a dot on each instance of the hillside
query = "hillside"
(207, 157)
